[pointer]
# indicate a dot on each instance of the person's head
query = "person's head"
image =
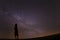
(15, 24)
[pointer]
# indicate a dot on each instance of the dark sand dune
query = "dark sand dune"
(50, 37)
(55, 36)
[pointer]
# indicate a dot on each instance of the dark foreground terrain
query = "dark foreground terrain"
(50, 37)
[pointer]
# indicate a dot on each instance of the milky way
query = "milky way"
(34, 18)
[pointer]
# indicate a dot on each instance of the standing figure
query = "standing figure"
(16, 31)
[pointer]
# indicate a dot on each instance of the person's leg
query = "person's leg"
(17, 37)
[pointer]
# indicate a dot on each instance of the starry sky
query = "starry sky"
(35, 18)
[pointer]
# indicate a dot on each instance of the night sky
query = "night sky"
(35, 18)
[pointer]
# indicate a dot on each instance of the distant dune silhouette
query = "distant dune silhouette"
(49, 37)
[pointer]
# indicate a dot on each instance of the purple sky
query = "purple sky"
(32, 17)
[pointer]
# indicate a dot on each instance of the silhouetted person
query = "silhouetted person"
(16, 31)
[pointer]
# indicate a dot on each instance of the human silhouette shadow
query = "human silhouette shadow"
(16, 32)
